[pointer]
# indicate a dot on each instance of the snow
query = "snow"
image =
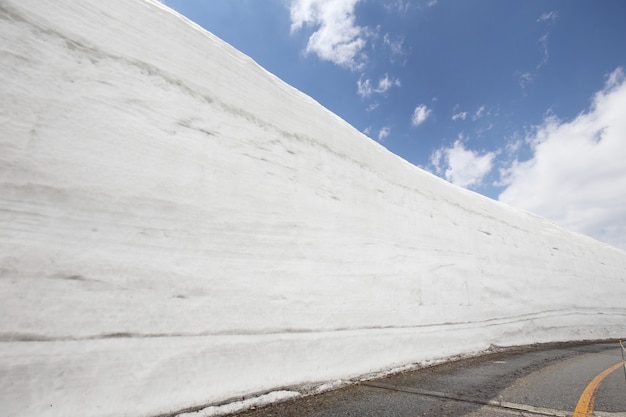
(181, 230)
(243, 405)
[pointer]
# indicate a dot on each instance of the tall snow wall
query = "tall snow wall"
(180, 228)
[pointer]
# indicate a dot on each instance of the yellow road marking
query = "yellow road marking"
(587, 400)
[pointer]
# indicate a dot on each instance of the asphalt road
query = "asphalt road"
(532, 381)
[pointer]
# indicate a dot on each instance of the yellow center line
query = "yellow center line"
(587, 400)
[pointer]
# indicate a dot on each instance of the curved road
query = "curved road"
(553, 380)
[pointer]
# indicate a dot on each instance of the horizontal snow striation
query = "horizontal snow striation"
(180, 228)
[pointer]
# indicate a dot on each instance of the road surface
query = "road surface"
(551, 380)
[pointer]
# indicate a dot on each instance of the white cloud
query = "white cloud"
(365, 89)
(479, 113)
(577, 175)
(383, 133)
(548, 16)
(514, 147)
(400, 6)
(420, 114)
(395, 46)
(337, 39)
(460, 166)
(386, 83)
(460, 116)
(524, 78)
(543, 41)
(614, 79)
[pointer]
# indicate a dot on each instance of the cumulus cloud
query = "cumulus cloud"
(337, 38)
(386, 83)
(460, 116)
(420, 114)
(461, 166)
(577, 175)
(383, 133)
(365, 88)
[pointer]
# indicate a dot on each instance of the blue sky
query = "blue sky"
(523, 101)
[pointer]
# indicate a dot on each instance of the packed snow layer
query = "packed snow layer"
(180, 229)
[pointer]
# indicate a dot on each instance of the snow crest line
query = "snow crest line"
(151, 70)
(78, 46)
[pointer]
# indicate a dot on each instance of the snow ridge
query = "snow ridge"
(180, 229)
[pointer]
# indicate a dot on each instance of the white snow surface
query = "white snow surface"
(180, 229)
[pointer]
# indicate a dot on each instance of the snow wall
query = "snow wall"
(180, 228)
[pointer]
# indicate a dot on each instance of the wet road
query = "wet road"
(545, 380)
